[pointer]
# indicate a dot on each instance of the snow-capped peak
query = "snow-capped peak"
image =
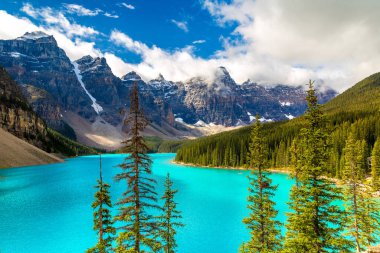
(33, 35)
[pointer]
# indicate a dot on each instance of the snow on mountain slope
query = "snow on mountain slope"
(98, 109)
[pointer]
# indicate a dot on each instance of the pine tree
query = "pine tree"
(103, 223)
(137, 230)
(353, 174)
(316, 220)
(264, 228)
(170, 218)
(363, 210)
(375, 165)
(370, 218)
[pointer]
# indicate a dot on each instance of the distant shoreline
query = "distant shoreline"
(282, 171)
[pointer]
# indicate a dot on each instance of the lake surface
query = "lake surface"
(47, 208)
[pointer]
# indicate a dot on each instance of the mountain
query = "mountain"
(86, 101)
(357, 109)
(17, 118)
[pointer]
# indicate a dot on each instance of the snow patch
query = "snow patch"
(200, 123)
(94, 105)
(285, 103)
(33, 35)
(15, 54)
(289, 116)
(263, 119)
(180, 120)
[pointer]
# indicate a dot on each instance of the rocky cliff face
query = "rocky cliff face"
(16, 116)
(36, 59)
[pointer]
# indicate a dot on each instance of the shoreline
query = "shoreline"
(282, 171)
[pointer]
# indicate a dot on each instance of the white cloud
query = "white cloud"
(128, 6)
(56, 20)
(81, 10)
(176, 65)
(74, 48)
(111, 15)
(336, 42)
(18, 28)
(199, 41)
(28, 9)
(181, 25)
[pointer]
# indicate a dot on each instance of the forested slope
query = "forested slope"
(357, 109)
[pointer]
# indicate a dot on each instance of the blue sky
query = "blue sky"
(168, 24)
(336, 43)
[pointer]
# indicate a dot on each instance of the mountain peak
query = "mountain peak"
(222, 71)
(34, 35)
(160, 77)
(86, 58)
(131, 76)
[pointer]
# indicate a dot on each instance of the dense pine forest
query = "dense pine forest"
(356, 110)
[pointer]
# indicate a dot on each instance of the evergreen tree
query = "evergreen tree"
(375, 165)
(353, 174)
(370, 218)
(137, 230)
(103, 223)
(264, 228)
(316, 221)
(169, 220)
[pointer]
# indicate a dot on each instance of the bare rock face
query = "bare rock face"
(16, 116)
(48, 108)
(101, 83)
(36, 59)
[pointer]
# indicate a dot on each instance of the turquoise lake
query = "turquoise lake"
(47, 208)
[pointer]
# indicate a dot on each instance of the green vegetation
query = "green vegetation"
(363, 217)
(375, 162)
(264, 229)
(103, 223)
(169, 219)
(158, 145)
(59, 143)
(357, 107)
(316, 221)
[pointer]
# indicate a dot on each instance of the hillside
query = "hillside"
(16, 152)
(356, 109)
(362, 97)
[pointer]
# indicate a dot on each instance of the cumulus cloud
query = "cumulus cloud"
(177, 65)
(287, 41)
(74, 48)
(81, 10)
(181, 25)
(336, 42)
(56, 20)
(128, 6)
